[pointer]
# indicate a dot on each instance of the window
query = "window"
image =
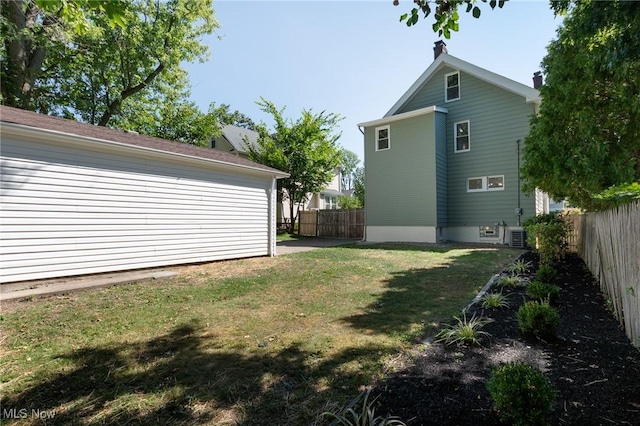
(452, 86)
(462, 139)
(382, 138)
(476, 184)
(495, 183)
(330, 202)
(485, 183)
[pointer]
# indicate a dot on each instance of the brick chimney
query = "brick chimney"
(440, 47)
(537, 80)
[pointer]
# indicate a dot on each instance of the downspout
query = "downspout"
(519, 211)
(273, 195)
(364, 225)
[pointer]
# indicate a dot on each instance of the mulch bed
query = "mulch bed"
(592, 364)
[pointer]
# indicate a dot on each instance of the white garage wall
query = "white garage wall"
(70, 209)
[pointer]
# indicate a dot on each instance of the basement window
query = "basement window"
(476, 184)
(495, 183)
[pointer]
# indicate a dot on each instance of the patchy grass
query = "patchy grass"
(253, 341)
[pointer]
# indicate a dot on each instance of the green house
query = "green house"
(442, 164)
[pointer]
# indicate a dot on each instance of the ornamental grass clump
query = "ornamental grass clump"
(363, 415)
(519, 267)
(494, 301)
(543, 291)
(510, 281)
(463, 331)
(538, 318)
(522, 395)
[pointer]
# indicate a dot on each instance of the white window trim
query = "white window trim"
(484, 184)
(455, 136)
(446, 97)
(495, 189)
(377, 131)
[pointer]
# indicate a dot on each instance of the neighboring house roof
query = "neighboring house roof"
(239, 137)
(444, 59)
(331, 192)
(410, 114)
(58, 125)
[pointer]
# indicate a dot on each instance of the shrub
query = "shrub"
(365, 415)
(538, 318)
(546, 273)
(463, 331)
(549, 233)
(521, 394)
(543, 291)
(494, 301)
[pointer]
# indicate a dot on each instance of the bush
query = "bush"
(549, 233)
(543, 291)
(521, 394)
(546, 273)
(538, 318)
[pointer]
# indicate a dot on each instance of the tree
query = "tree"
(348, 166)
(91, 72)
(164, 111)
(224, 116)
(358, 185)
(31, 27)
(586, 137)
(105, 66)
(445, 12)
(306, 149)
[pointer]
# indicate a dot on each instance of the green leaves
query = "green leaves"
(305, 148)
(445, 13)
(584, 139)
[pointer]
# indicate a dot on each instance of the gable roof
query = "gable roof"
(63, 126)
(444, 59)
(239, 137)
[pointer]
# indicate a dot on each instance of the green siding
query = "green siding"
(401, 181)
(441, 168)
(498, 118)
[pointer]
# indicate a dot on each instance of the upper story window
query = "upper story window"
(383, 138)
(452, 86)
(462, 137)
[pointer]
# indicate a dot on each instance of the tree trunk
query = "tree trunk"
(24, 61)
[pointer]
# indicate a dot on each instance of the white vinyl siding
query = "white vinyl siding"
(68, 210)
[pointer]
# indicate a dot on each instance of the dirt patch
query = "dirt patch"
(591, 364)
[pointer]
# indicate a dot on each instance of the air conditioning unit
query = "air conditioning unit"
(518, 239)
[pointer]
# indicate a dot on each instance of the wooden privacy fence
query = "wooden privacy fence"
(332, 223)
(609, 243)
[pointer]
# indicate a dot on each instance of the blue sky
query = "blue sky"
(353, 58)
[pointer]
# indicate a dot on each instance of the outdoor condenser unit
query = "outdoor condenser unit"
(518, 239)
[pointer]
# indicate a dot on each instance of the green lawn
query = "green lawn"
(253, 341)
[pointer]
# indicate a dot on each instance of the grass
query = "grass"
(253, 341)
